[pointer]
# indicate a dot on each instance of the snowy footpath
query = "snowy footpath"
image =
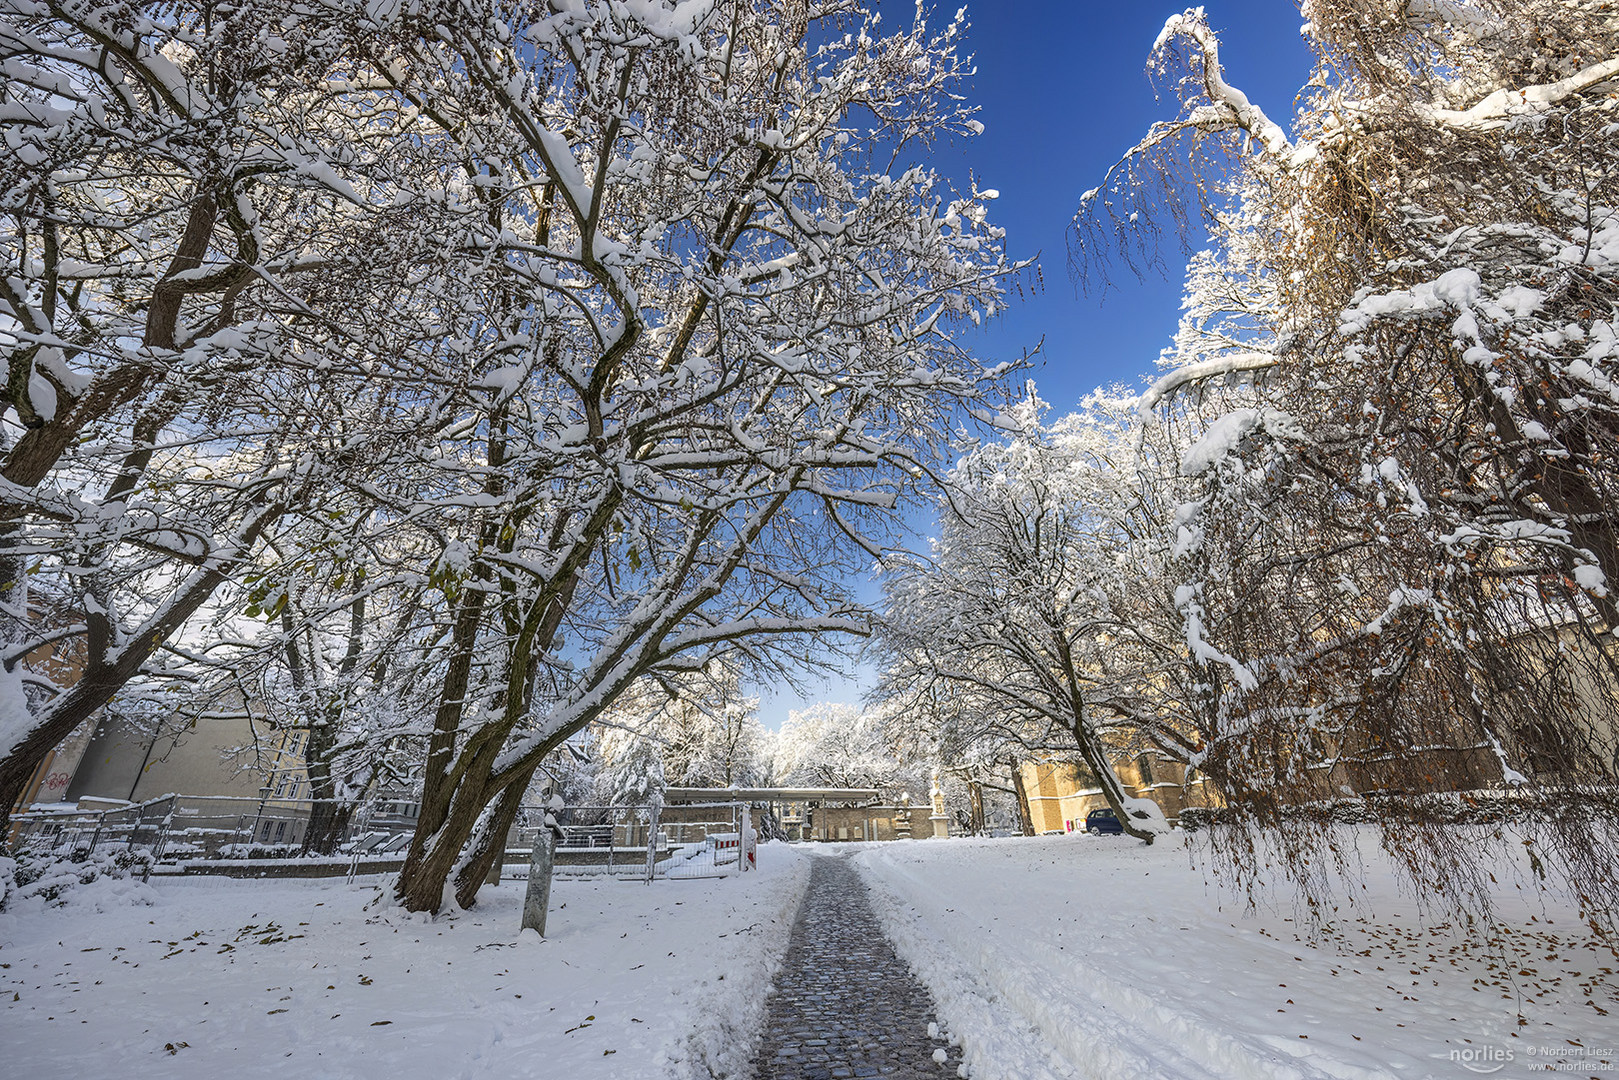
(1099, 958)
(208, 977)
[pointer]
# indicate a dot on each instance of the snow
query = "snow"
(16, 719)
(1495, 108)
(1203, 371)
(1146, 815)
(1081, 956)
(1220, 440)
(202, 977)
(1590, 577)
(1459, 288)
(42, 395)
(1193, 24)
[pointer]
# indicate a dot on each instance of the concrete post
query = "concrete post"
(652, 838)
(538, 899)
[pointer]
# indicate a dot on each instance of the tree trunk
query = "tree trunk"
(432, 859)
(1091, 748)
(1024, 814)
(1112, 788)
(328, 819)
(489, 843)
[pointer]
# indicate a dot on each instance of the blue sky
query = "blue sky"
(1064, 92)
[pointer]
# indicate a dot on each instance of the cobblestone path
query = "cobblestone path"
(844, 1004)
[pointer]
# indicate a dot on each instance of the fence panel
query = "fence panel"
(199, 831)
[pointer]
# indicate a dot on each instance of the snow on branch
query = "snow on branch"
(1497, 108)
(1202, 372)
(1228, 106)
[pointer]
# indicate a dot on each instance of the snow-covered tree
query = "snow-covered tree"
(704, 349)
(701, 728)
(197, 206)
(1396, 373)
(605, 337)
(633, 774)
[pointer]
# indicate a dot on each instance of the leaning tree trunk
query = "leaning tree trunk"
(1091, 748)
(489, 841)
(1024, 814)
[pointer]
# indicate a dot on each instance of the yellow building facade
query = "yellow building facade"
(1060, 793)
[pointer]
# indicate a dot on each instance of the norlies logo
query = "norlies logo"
(1482, 1059)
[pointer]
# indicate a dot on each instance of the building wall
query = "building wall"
(51, 780)
(220, 752)
(63, 664)
(870, 822)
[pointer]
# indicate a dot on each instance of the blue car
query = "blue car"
(1103, 822)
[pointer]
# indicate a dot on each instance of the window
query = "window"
(1144, 766)
(280, 831)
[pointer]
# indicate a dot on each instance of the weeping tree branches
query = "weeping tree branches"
(1393, 383)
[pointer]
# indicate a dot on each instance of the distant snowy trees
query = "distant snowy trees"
(1040, 622)
(833, 744)
(699, 730)
(1395, 389)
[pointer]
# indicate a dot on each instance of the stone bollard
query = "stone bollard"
(538, 898)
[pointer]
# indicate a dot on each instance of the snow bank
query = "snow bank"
(1084, 956)
(302, 978)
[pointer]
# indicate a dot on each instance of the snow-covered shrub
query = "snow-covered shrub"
(52, 880)
(256, 851)
(8, 879)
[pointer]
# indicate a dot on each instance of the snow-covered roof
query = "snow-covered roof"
(783, 794)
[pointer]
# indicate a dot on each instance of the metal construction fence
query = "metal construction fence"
(180, 828)
(197, 832)
(693, 840)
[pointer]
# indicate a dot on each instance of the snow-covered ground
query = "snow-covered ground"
(1056, 957)
(1097, 957)
(209, 977)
